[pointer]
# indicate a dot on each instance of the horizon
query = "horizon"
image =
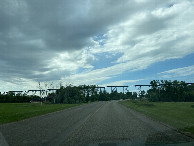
(44, 90)
(95, 42)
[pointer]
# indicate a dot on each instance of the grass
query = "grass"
(10, 112)
(179, 115)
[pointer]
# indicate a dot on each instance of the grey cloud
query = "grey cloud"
(150, 25)
(59, 25)
(33, 32)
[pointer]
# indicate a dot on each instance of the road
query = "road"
(99, 123)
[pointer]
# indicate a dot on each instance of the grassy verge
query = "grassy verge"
(10, 112)
(179, 115)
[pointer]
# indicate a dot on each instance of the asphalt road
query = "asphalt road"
(99, 123)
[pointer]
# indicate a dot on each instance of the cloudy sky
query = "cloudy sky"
(102, 42)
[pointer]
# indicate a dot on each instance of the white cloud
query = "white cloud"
(162, 33)
(148, 37)
(98, 75)
(18, 84)
(122, 82)
(178, 72)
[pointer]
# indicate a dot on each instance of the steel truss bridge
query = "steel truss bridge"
(113, 89)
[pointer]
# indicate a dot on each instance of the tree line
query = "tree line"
(164, 90)
(85, 93)
(161, 90)
(10, 97)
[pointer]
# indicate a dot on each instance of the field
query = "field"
(10, 112)
(179, 115)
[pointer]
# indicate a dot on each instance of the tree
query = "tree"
(134, 96)
(142, 94)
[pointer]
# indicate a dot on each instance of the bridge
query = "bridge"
(114, 88)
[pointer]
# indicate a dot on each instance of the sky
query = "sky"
(95, 42)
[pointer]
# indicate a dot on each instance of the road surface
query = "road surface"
(100, 123)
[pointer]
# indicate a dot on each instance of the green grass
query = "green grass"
(10, 112)
(179, 115)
